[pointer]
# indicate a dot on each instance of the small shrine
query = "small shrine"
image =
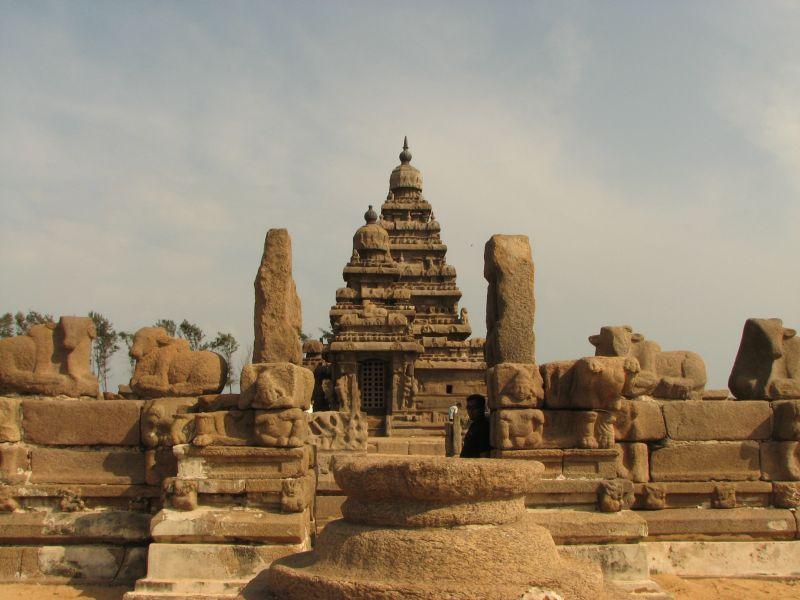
(401, 346)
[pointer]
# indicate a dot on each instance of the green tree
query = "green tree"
(227, 346)
(6, 325)
(24, 322)
(327, 335)
(103, 347)
(167, 324)
(193, 334)
(127, 339)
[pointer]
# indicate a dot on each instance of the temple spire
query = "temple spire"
(405, 155)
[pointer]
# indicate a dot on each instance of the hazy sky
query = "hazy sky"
(651, 151)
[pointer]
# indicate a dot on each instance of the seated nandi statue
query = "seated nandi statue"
(679, 374)
(165, 366)
(767, 365)
(50, 359)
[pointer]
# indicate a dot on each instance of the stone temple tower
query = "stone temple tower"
(399, 336)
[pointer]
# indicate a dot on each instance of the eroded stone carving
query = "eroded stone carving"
(276, 385)
(183, 494)
(517, 429)
(334, 430)
(655, 496)
(223, 428)
(614, 495)
(679, 374)
(767, 364)
(786, 494)
(514, 385)
(723, 496)
(165, 422)
(165, 366)
(282, 428)
(51, 359)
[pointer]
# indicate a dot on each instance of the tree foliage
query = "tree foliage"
(194, 335)
(127, 338)
(24, 322)
(6, 325)
(167, 324)
(227, 346)
(103, 347)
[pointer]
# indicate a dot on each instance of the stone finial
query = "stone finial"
(277, 317)
(510, 303)
(405, 155)
(370, 216)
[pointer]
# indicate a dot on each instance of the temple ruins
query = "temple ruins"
(325, 476)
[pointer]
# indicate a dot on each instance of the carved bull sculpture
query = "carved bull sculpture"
(51, 359)
(679, 374)
(767, 365)
(165, 366)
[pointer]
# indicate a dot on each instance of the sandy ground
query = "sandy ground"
(683, 589)
(725, 589)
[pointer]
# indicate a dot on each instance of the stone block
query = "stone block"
(10, 420)
(88, 563)
(220, 525)
(281, 428)
(589, 527)
(60, 422)
(786, 419)
(62, 465)
(619, 562)
(82, 527)
(391, 445)
(516, 429)
(551, 458)
(724, 420)
(725, 559)
(590, 464)
(567, 428)
(202, 562)
(704, 461)
(780, 461)
(224, 428)
(432, 447)
(564, 493)
(510, 303)
(17, 562)
(242, 462)
(719, 524)
(270, 386)
(633, 461)
(511, 385)
(328, 508)
(14, 463)
(640, 420)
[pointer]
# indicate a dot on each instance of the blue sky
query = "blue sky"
(651, 151)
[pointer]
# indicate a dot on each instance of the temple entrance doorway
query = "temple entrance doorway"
(372, 385)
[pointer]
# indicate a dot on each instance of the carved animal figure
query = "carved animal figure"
(595, 382)
(679, 374)
(51, 359)
(767, 365)
(281, 429)
(165, 366)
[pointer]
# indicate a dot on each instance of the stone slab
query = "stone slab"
(725, 559)
(722, 420)
(241, 462)
(10, 420)
(620, 562)
(84, 527)
(633, 461)
(720, 524)
(564, 493)
(62, 465)
(589, 527)
(74, 564)
(64, 422)
(229, 525)
(700, 494)
(213, 561)
(704, 461)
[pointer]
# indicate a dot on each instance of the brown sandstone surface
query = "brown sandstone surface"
(277, 316)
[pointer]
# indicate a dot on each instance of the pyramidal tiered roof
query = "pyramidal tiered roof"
(399, 264)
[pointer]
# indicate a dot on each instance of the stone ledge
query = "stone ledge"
(705, 461)
(83, 527)
(587, 527)
(206, 524)
(725, 559)
(720, 524)
(72, 564)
